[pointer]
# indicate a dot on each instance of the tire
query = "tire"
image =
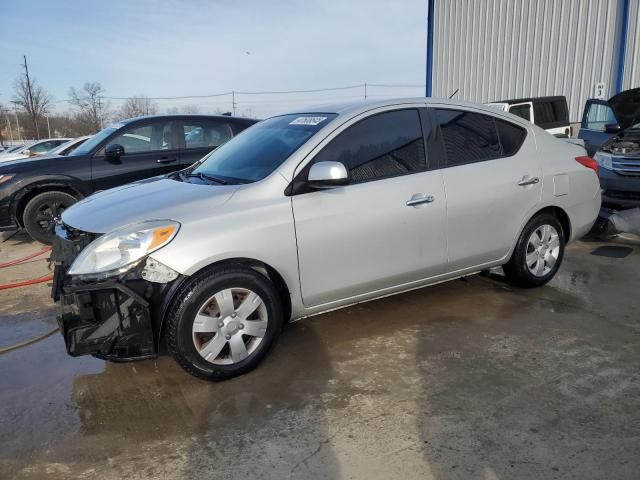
(531, 265)
(40, 212)
(220, 329)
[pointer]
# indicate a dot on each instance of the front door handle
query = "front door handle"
(528, 181)
(165, 160)
(413, 201)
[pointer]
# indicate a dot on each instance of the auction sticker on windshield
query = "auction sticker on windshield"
(308, 121)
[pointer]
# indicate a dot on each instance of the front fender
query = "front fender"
(24, 188)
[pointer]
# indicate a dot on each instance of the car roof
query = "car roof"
(50, 139)
(183, 117)
(360, 106)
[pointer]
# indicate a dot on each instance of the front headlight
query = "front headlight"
(117, 251)
(604, 160)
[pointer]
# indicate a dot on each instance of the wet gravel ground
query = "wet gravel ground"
(468, 379)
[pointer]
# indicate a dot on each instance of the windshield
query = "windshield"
(94, 141)
(260, 149)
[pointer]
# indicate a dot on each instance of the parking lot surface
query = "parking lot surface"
(467, 379)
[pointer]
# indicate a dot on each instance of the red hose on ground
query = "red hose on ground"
(24, 259)
(23, 283)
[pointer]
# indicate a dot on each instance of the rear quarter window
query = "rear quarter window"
(511, 137)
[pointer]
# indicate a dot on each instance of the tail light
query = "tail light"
(589, 163)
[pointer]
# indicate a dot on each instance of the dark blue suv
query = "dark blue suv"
(611, 131)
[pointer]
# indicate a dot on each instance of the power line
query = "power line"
(233, 93)
(315, 90)
(391, 85)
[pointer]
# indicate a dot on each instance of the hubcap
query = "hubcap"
(46, 215)
(229, 326)
(543, 249)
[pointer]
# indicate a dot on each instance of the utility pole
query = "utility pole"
(9, 126)
(48, 127)
(31, 106)
(365, 90)
(18, 133)
(233, 102)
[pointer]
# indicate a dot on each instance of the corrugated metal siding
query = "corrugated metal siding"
(499, 49)
(632, 62)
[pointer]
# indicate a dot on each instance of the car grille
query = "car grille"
(626, 165)
(623, 195)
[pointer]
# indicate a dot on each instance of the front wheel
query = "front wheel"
(41, 211)
(223, 322)
(538, 253)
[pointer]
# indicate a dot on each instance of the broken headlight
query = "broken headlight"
(120, 249)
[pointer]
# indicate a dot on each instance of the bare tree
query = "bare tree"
(138, 106)
(3, 112)
(90, 104)
(32, 98)
(191, 109)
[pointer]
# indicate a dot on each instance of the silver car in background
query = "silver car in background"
(311, 211)
(41, 147)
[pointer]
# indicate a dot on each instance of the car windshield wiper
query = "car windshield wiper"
(204, 176)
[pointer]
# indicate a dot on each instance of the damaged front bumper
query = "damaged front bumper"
(116, 319)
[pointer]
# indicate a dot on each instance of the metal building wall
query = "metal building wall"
(498, 49)
(632, 61)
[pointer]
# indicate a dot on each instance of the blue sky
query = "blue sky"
(197, 47)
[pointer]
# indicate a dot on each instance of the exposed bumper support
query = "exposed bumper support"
(108, 320)
(117, 319)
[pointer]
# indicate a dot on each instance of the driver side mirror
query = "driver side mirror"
(328, 175)
(114, 151)
(612, 128)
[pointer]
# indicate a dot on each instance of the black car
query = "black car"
(34, 191)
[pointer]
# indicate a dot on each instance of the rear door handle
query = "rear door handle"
(165, 160)
(528, 181)
(413, 201)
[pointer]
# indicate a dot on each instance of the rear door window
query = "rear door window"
(203, 133)
(384, 145)
(468, 137)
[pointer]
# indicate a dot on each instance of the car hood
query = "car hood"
(15, 164)
(10, 156)
(626, 107)
(158, 198)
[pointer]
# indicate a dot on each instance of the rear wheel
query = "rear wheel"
(41, 211)
(538, 253)
(223, 323)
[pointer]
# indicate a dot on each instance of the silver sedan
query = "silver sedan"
(311, 211)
